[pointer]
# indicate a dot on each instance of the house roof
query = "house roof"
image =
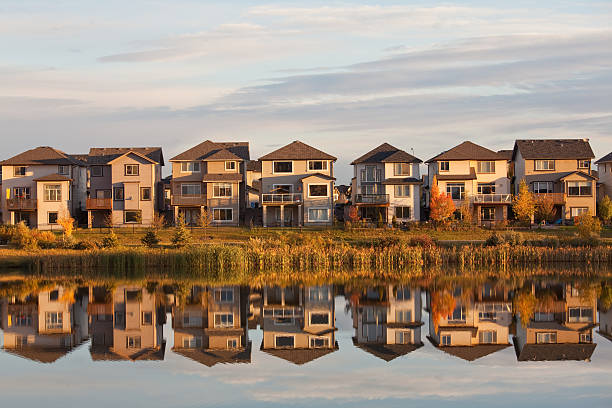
(104, 155)
(402, 180)
(554, 352)
(253, 165)
(507, 153)
(471, 353)
(606, 159)
(468, 151)
(297, 151)
(45, 355)
(43, 155)
(53, 177)
(553, 149)
(385, 153)
(208, 149)
(300, 356)
(342, 188)
(387, 352)
(471, 176)
(211, 358)
(222, 177)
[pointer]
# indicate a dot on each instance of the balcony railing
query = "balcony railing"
(21, 204)
(372, 198)
(99, 204)
(288, 198)
(194, 200)
(557, 198)
(492, 199)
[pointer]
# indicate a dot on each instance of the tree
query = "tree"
(523, 204)
(158, 222)
(108, 220)
(545, 209)
(67, 223)
(605, 209)
(524, 306)
(587, 225)
(441, 206)
(352, 215)
(467, 211)
(151, 238)
(181, 236)
(205, 219)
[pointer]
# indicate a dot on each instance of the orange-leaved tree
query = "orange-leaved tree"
(441, 205)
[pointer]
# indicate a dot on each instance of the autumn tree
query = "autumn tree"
(467, 211)
(441, 206)
(587, 224)
(523, 204)
(67, 223)
(205, 219)
(442, 305)
(545, 209)
(605, 209)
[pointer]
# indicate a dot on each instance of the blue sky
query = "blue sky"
(342, 76)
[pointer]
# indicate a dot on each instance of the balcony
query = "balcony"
(21, 204)
(372, 199)
(492, 199)
(287, 198)
(189, 200)
(99, 204)
(557, 198)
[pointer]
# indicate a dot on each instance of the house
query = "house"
(297, 184)
(253, 183)
(125, 186)
(476, 324)
(298, 323)
(557, 170)
(210, 325)
(387, 320)
(386, 185)
(604, 170)
(210, 177)
(342, 194)
(475, 175)
(40, 186)
(561, 325)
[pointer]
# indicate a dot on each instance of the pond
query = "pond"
(540, 341)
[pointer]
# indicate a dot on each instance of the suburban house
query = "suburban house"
(40, 186)
(386, 185)
(561, 326)
(604, 171)
(298, 323)
(387, 320)
(478, 325)
(253, 183)
(297, 184)
(210, 325)
(558, 170)
(125, 185)
(475, 175)
(209, 180)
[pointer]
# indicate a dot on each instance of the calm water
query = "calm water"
(539, 342)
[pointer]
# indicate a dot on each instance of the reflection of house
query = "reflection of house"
(474, 325)
(387, 320)
(125, 324)
(605, 323)
(45, 326)
(210, 326)
(561, 327)
(298, 323)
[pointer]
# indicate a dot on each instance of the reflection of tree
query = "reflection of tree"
(442, 305)
(524, 305)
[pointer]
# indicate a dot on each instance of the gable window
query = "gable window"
(54, 320)
(131, 169)
(145, 193)
(445, 340)
(486, 188)
(544, 164)
(584, 164)
(317, 165)
(63, 170)
(456, 190)
(192, 342)
(21, 192)
(224, 320)
(133, 342)
(402, 212)
(224, 295)
(487, 337)
(223, 214)
(282, 167)
(118, 193)
(19, 171)
(542, 187)
(579, 188)
(222, 190)
(132, 217)
(97, 171)
(191, 189)
(403, 337)
(190, 167)
(403, 316)
(230, 165)
(546, 338)
(402, 191)
(319, 342)
(486, 167)
(444, 166)
(318, 215)
(284, 341)
(401, 169)
(319, 318)
(52, 218)
(578, 211)
(53, 192)
(147, 318)
(318, 190)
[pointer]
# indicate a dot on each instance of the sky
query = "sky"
(342, 76)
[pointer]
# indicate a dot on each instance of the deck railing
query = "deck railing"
(287, 198)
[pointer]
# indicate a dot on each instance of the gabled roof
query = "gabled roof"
(104, 155)
(254, 165)
(387, 352)
(507, 153)
(53, 177)
(40, 354)
(554, 352)
(300, 356)
(468, 151)
(207, 149)
(43, 155)
(553, 149)
(385, 153)
(211, 358)
(606, 159)
(556, 176)
(469, 353)
(297, 151)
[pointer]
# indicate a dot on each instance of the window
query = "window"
(118, 193)
(403, 293)
(63, 170)
(401, 169)
(318, 190)
(403, 316)
(544, 164)
(445, 340)
(97, 171)
(54, 296)
(53, 192)
(318, 215)
(580, 314)
(586, 338)
(52, 217)
(230, 165)
(19, 171)
(21, 192)
(542, 187)
(21, 341)
(456, 190)
(546, 338)
(458, 315)
(54, 320)
(579, 188)
(284, 341)
(486, 167)
(119, 320)
(543, 316)
(402, 212)
(232, 343)
(371, 189)
(584, 164)
(147, 318)
(132, 217)
(224, 320)
(578, 211)
(283, 167)
(192, 342)
(222, 190)
(370, 174)
(21, 320)
(192, 319)
(317, 165)
(401, 191)
(190, 167)
(487, 213)
(318, 293)
(319, 342)
(319, 318)
(145, 193)
(282, 188)
(223, 214)
(224, 295)
(132, 342)
(444, 166)
(487, 337)
(191, 189)
(486, 188)
(403, 337)
(131, 170)
(133, 295)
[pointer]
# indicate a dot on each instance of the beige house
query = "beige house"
(562, 324)
(40, 186)
(604, 170)
(559, 170)
(124, 185)
(298, 323)
(476, 174)
(386, 184)
(297, 184)
(211, 177)
(210, 325)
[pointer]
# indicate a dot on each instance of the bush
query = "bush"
(110, 241)
(45, 239)
(150, 239)
(513, 238)
(423, 241)
(588, 225)
(494, 239)
(23, 238)
(386, 242)
(84, 245)
(6, 233)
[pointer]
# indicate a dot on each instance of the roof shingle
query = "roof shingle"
(385, 153)
(297, 151)
(104, 155)
(553, 149)
(208, 148)
(468, 151)
(43, 155)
